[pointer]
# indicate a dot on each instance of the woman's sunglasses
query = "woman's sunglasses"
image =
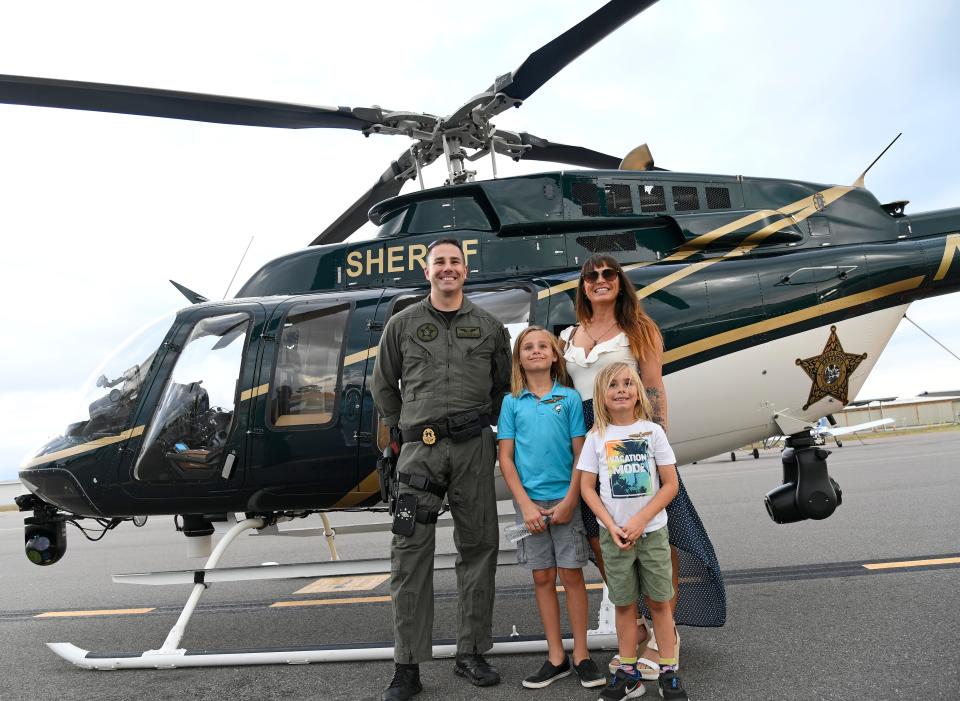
(591, 276)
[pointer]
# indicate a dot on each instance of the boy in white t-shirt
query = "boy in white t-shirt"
(637, 470)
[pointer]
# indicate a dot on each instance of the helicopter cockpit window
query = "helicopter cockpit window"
(188, 434)
(305, 385)
(112, 393)
(433, 216)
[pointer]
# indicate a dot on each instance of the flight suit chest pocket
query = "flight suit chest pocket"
(419, 369)
(476, 350)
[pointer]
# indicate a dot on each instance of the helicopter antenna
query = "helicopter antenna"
(859, 181)
(238, 268)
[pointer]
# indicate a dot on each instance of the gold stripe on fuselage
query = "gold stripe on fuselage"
(369, 485)
(254, 392)
(360, 356)
(796, 317)
(84, 447)
(950, 249)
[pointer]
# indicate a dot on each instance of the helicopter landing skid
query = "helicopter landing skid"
(171, 656)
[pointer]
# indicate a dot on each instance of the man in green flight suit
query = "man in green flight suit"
(443, 367)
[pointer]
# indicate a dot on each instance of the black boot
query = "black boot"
(476, 670)
(405, 684)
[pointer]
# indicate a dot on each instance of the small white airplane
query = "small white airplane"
(824, 428)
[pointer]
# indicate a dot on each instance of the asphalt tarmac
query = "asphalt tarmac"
(806, 618)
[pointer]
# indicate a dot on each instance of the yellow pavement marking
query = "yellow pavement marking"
(349, 583)
(912, 563)
(324, 602)
(100, 612)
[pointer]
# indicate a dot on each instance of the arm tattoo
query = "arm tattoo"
(656, 404)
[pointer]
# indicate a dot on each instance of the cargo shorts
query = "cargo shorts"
(645, 568)
(561, 545)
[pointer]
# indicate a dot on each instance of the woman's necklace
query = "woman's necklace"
(599, 336)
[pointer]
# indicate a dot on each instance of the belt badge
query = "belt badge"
(428, 437)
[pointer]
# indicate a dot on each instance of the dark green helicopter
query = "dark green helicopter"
(787, 291)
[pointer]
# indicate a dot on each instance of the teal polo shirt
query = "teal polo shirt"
(541, 429)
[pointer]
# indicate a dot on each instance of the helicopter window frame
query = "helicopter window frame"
(330, 306)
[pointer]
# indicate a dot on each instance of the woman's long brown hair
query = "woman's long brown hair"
(642, 331)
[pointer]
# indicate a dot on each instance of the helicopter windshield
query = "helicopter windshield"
(110, 395)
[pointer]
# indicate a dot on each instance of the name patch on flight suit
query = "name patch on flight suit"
(427, 332)
(468, 332)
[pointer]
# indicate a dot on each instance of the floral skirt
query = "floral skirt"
(702, 599)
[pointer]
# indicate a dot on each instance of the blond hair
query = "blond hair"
(641, 410)
(558, 369)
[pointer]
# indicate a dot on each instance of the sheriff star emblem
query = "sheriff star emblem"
(830, 371)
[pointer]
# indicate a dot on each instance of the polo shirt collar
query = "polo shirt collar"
(554, 392)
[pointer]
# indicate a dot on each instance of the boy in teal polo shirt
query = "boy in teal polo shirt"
(541, 431)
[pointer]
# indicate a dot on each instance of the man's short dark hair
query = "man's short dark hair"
(450, 242)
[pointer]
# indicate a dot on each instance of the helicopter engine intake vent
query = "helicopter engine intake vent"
(588, 196)
(608, 243)
(652, 198)
(618, 199)
(685, 198)
(718, 197)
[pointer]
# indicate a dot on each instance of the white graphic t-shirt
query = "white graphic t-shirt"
(625, 460)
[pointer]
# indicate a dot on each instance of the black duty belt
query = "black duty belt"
(429, 434)
(422, 483)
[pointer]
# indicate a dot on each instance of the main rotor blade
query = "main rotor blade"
(356, 214)
(543, 150)
(550, 59)
(172, 104)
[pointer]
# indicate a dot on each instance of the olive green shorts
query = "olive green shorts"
(645, 568)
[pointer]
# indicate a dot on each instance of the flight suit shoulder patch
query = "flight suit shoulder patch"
(427, 332)
(468, 332)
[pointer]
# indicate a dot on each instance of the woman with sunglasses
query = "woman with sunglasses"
(613, 327)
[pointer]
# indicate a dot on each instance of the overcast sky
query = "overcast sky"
(98, 211)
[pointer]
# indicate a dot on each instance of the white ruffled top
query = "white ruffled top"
(583, 368)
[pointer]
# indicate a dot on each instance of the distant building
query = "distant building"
(926, 409)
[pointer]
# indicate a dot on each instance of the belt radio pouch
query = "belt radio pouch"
(405, 514)
(463, 427)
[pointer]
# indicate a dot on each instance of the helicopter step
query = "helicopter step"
(335, 568)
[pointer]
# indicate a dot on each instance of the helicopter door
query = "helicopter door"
(308, 413)
(196, 434)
